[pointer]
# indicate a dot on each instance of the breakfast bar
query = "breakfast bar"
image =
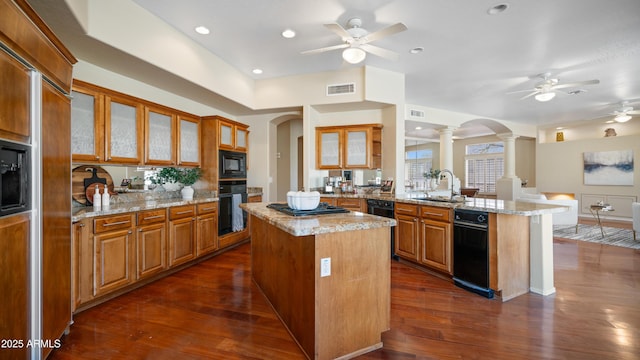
(326, 276)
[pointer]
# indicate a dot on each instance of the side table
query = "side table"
(595, 211)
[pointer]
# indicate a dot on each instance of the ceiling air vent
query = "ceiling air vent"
(341, 89)
(416, 113)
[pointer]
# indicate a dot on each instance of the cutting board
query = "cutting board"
(79, 174)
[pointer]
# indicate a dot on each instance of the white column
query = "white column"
(446, 156)
(541, 255)
(446, 148)
(509, 186)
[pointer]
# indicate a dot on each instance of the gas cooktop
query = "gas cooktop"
(323, 208)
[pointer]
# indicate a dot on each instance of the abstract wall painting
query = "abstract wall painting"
(608, 168)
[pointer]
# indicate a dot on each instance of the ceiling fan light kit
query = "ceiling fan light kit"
(355, 41)
(622, 118)
(353, 55)
(545, 96)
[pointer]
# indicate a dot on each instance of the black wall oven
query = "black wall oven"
(232, 164)
(230, 217)
(384, 208)
(15, 178)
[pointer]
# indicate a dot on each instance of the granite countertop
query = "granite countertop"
(480, 204)
(319, 224)
(79, 213)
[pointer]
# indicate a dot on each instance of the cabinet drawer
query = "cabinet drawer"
(351, 204)
(152, 216)
(436, 213)
(207, 208)
(406, 209)
(112, 223)
(179, 212)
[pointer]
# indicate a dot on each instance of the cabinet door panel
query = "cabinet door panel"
(151, 250)
(15, 87)
(226, 136)
(329, 149)
(407, 237)
(181, 241)
(436, 245)
(207, 234)
(357, 148)
(84, 124)
(160, 138)
(189, 149)
(241, 139)
(112, 259)
(123, 131)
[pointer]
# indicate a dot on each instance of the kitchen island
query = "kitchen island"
(327, 277)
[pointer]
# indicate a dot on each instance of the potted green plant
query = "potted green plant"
(168, 178)
(188, 177)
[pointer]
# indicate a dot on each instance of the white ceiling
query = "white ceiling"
(471, 59)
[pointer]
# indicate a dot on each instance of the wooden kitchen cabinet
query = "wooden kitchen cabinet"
(407, 232)
(207, 228)
(188, 141)
(232, 135)
(81, 263)
(105, 126)
(14, 114)
(113, 256)
(159, 136)
(151, 243)
(353, 204)
(328, 200)
(436, 238)
(15, 237)
(349, 147)
(182, 234)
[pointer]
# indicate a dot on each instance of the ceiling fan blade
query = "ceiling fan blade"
(325, 49)
(579, 83)
(520, 91)
(378, 51)
(529, 95)
(389, 30)
(336, 28)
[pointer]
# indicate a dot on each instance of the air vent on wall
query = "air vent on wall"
(341, 89)
(416, 113)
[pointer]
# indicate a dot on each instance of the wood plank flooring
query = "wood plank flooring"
(213, 311)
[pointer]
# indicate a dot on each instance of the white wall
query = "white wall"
(559, 166)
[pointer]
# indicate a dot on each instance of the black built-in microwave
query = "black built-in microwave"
(15, 178)
(232, 164)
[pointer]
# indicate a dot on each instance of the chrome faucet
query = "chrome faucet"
(451, 177)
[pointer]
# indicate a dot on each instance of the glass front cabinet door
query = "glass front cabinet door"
(357, 148)
(123, 130)
(189, 141)
(160, 137)
(87, 125)
(329, 149)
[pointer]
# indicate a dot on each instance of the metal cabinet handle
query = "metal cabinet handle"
(184, 212)
(432, 214)
(97, 157)
(117, 223)
(153, 217)
(129, 232)
(209, 208)
(81, 224)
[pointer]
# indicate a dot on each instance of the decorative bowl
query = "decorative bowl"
(301, 200)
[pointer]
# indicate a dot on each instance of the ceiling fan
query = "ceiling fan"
(625, 112)
(356, 41)
(545, 90)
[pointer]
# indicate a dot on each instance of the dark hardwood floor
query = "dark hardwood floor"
(213, 311)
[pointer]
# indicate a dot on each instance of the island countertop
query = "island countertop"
(318, 224)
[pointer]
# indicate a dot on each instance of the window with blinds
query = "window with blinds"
(484, 165)
(416, 163)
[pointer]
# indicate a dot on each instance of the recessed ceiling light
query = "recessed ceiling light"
(559, 128)
(203, 30)
(288, 33)
(257, 71)
(416, 50)
(497, 9)
(418, 127)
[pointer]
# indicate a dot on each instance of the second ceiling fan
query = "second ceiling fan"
(356, 41)
(546, 89)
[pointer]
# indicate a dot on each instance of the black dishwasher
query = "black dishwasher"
(471, 251)
(384, 208)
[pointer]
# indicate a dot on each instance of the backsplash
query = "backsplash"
(141, 196)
